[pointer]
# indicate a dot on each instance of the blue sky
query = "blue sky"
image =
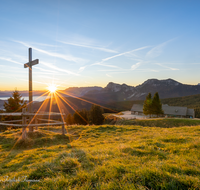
(90, 43)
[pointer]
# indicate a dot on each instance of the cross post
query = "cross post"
(29, 65)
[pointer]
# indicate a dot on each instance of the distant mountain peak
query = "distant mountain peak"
(154, 82)
(170, 80)
(81, 91)
(150, 81)
(114, 87)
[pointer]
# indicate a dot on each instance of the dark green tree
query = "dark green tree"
(156, 106)
(69, 119)
(81, 117)
(15, 103)
(197, 112)
(147, 109)
(96, 115)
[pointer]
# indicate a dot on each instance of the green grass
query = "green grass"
(164, 123)
(102, 157)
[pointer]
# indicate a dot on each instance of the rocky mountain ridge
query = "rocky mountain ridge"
(166, 88)
(81, 91)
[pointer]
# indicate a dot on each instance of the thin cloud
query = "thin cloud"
(147, 70)
(34, 81)
(106, 65)
(153, 70)
(82, 68)
(58, 69)
(47, 45)
(112, 70)
(49, 77)
(10, 60)
(132, 56)
(91, 47)
(156, 51)
(46, 70)
(133, 67)
(120, 54)
(108, 75)
(173, 69)
(58, 55)
(120, 72)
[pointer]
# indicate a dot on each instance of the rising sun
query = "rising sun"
(52, 88)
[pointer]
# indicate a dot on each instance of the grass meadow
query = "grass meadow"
(101, 157)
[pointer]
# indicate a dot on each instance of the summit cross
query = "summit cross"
(29, 65)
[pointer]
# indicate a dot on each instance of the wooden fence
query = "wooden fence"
(31, 120)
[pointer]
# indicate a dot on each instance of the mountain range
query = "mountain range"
(168, 88)
(113, 92)
(117, 97)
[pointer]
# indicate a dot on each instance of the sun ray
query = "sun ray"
(30, 102)
(86, 101)
(52, 88)
(45, 101)
(74, 105)
(71, 106)
(50, 106)
(26, 127)
(56, 97)
(60, 110)
(57, 101)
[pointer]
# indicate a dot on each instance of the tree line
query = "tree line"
(82, 117)
(152, 106)
(85, 117)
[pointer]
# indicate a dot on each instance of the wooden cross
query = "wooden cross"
(29, 65)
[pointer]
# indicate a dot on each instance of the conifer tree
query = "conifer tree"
(81, 117)
(156, 105)
(147, 105)
(15, 103)
(197, 112)
(96, 115)
(69, 119)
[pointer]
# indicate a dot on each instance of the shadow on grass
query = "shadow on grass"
(154, 179)
(66, 162)
(176, 140)
(112, 128)
(42, 140)
(7, 140)
(140, 153)
(181, 171)
(33, 140)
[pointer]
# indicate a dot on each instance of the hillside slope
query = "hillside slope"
(101, 157)
(192, 101)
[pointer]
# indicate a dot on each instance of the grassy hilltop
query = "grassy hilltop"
(102, 157)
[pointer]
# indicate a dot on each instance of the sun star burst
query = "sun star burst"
(52, 88)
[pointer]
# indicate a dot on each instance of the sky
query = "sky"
(94, 42)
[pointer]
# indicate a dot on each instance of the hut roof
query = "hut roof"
(174, 110)
(137, 107)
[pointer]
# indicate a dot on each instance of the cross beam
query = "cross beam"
(29, 65)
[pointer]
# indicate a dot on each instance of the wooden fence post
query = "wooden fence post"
(63, 125)
(23, 123)
(63, 129)
(30, 127)
(36, 122)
